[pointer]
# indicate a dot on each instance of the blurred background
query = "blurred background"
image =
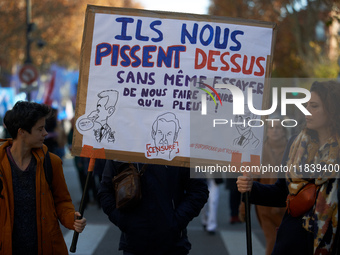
(41, 40)
(40, 43)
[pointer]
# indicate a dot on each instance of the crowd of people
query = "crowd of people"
(170, 198)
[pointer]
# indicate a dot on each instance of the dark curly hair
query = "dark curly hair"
(329, 93)
(24, 115)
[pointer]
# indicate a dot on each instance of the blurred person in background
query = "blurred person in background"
(82, 164)
(273, 149)
(209, 212)
(234, 198)
(56, 138)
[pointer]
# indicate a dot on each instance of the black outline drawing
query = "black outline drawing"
(106, 106)
(247, 137)
(163, 137)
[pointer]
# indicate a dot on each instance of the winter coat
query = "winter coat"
(49, 207)
(170, 200)
(291, 238)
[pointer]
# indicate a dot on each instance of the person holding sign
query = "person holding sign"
(157, 224)
(311, 186)
(33, 191)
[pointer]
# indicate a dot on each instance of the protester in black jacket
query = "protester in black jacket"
(157, 225)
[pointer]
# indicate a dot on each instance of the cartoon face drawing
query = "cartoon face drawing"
(101, 114)
(165, 131)
(106, 106)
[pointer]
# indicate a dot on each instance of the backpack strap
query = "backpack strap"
(143, 169)
(1, 187)
(48, 170)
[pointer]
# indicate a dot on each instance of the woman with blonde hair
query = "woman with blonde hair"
(313, 158)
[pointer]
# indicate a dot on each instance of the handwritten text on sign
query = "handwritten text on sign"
(147, 74)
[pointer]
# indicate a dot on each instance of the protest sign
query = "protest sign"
(142, 74)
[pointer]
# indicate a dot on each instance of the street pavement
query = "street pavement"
(101, 237)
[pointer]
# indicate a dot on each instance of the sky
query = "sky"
(188, 6)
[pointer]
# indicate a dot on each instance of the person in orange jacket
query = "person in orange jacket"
(29, 207)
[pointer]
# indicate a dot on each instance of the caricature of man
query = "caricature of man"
(105, 108)
(247, 137)
(165, 131)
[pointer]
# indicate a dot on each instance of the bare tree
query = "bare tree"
(58, 27)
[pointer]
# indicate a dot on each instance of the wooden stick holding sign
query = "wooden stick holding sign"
(254, 161)
(248, 224)
(88, 152)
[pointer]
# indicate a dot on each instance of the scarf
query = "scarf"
(322, 220)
